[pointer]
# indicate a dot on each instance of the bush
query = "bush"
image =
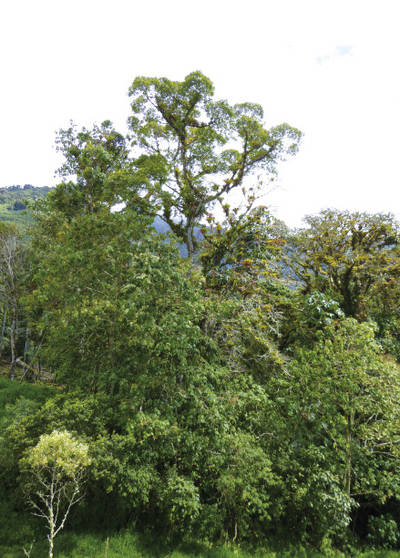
(383, 531)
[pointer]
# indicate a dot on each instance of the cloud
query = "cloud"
(337, 52)
(343, 50)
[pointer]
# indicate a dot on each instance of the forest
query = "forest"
(182, 374)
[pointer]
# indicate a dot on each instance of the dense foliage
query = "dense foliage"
(245, 391)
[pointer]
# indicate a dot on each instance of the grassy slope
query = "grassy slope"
(10, 391)
(8, 196)
(19, 218)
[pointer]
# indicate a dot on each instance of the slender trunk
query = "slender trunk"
(235, 533)
(51, 539)
(3, 330)
(13, 342)
(189, 242)
(12, 339)
(26, 348)
(52, 525)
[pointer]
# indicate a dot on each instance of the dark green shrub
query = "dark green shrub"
(383, 531)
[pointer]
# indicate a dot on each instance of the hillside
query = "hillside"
(13, 208)
(13, 203)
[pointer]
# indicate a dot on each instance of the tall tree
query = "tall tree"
(348, 256)
(193, 150)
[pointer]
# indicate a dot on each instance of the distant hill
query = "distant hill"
(13, 208)
(13, 203)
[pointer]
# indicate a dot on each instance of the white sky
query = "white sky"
(328, 67)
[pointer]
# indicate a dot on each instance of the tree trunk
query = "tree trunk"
(50, 536)
(51, 519)
(3, 330)
(27, 368)
(26, 347)
(13, 342)
(189, 242)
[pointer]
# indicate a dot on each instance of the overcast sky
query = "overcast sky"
(330, 68)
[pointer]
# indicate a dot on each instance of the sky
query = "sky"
(329, 68)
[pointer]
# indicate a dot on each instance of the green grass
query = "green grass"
(132, 545)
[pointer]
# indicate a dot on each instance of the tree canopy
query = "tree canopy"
(349, 256)
(194, 150)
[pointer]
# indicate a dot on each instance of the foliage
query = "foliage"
(58, 452)
(98, 160)
(116, 304)
(235, 254)
(303, 316)
(231, 395)
(10, 392)
(383, 531)
(57, 464)
(347, 399)
(194, 150)
(17, 402)
(348, 256)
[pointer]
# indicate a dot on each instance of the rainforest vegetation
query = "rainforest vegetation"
(229, 381)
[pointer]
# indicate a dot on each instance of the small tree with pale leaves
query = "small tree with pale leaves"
(57, 465)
